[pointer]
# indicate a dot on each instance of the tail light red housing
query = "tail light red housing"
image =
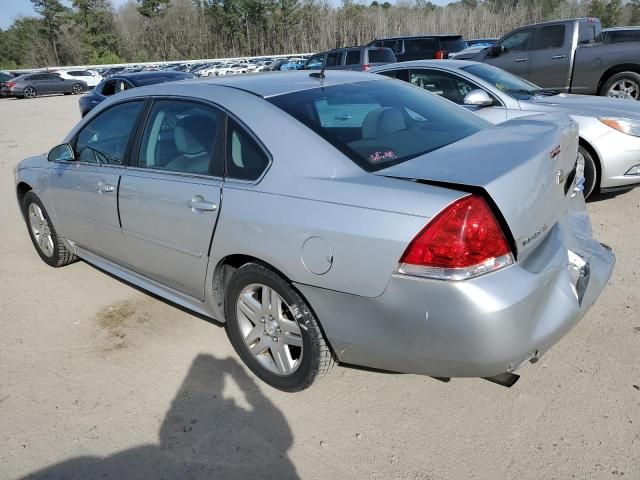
(441, 55)
(366, 67)
(463, 241)
(9, 84)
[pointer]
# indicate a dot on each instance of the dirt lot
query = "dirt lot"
(99, 380)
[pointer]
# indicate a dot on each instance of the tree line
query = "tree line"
(94, 32)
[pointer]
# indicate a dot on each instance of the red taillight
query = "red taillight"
(441, 55)
(9, 84)
(463, 241)
(366, 67)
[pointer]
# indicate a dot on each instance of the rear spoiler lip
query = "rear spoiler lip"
(476, 190)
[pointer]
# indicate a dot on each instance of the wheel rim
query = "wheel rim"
(624, 88)
(29, 92)
(580, 165)
(40, 229)
(77, 89)
(269, 329)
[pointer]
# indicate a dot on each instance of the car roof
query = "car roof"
(135, 76)
(268, 84)
(429, 35)
(615, 29)
(449, 64)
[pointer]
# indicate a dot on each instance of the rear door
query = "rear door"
(84, 191)
(170, 195)
(516, 57)
(550, 57)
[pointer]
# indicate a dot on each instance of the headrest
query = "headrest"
(382, 121)
(195, 134)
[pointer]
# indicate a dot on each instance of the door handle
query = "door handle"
(199, 204)
(518, 60)
(558, 57)
(105, 188)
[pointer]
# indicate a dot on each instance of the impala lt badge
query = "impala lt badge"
(555, 152)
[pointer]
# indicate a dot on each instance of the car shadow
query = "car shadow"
(599, 197)
(203, 436)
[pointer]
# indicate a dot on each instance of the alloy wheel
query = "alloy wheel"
(29, 92)
(40, 229)
(77, 89)
(624, 88)
(269, 329)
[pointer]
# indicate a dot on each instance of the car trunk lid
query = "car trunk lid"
(525, 167)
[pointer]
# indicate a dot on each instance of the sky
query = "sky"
(12, 9)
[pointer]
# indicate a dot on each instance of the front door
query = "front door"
(84, 191)
(516, 57)
(170, 197)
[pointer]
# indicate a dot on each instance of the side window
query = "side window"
(550, 37)
(419, 45)
(109, 88)
(245, 159)
(333, 59)
(181, 137)
(315, 63)
(401, 74)
(451, 87)
(518, 41)
(104, 139)
(395, 45)
(353, 57)
(37, 77)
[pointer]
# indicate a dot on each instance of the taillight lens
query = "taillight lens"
(463, 241)
(366, 67)
(9, 84)
(442, 55)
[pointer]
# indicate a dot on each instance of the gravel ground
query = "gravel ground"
(100, 380)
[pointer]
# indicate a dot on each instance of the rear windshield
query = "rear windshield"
(381, 55)
(452, 44)
(380, 123)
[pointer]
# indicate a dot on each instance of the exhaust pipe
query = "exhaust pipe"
(505, 379)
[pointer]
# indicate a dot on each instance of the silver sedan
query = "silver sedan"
(350, 218)
(609, 152)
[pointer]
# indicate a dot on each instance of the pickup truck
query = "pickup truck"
(568, 56)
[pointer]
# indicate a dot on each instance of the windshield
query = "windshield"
(382, 122)
(505, 81)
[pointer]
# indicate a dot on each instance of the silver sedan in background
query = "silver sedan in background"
(609, 152)
(348, 217)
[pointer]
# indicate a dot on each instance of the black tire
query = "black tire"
(29, 92)
(77, 88)
(317, 358)
(610, 88)
(60, 254)
(591, 180)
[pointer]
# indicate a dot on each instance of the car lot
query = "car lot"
(101, 378)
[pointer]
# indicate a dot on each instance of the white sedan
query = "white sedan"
(90, 77)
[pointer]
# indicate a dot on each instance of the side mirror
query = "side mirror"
(61, 153)
(478, 98)
(496, 51)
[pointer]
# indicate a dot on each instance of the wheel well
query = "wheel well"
(625, 67)
(596, 159)
(225, 269)
(21, 191)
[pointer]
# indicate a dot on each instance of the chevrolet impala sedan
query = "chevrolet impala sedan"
(346, 217)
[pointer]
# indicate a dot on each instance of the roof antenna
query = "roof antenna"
(320, 74)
